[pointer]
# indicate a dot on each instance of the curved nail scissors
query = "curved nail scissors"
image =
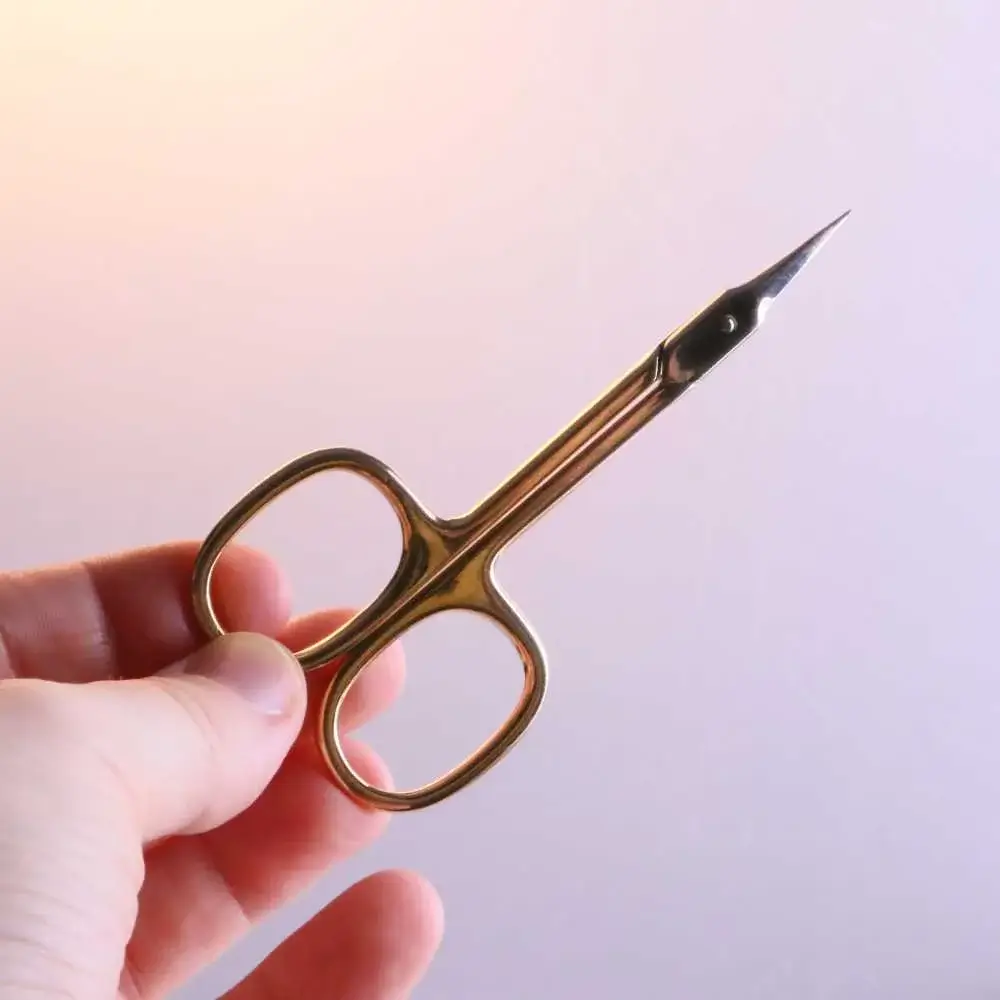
(446, 564)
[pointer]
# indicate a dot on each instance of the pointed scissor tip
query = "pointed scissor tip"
(826, 232)
(769, 283)
(693, 349)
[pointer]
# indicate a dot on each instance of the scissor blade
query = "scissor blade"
(770, 283)
(689, 352)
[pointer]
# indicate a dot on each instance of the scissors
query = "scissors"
(446, 564)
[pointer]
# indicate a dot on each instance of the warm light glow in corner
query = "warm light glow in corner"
(133, 114)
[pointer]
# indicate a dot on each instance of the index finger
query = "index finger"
(129, 614)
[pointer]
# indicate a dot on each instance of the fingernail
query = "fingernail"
(260, 671)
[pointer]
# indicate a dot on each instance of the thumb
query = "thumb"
(196, 744)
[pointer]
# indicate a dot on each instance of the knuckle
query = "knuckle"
(47, 753)
(192, 716)
(37, 710)
(197, 745)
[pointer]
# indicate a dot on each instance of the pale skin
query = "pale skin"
(159, 795)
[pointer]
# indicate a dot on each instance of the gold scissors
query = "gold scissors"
(446, 564)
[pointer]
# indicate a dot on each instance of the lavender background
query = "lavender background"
(768, 764)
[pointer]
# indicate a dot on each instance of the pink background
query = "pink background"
(769, 762)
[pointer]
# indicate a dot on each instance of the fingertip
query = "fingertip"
(409, 890)
(392, 677)
(376, 939)
(262, 671)
(399, 913)
(251, 591)
(199, 741)
(378, 685)
(368, 764)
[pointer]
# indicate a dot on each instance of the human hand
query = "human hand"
(158, 795)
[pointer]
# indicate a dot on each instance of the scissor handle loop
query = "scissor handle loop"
(492, 606)
(414, 521)
(426, 544)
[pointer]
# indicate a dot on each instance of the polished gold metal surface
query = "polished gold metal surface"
(447, 564)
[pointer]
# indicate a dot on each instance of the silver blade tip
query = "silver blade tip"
(770, 282)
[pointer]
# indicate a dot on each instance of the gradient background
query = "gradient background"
(768, 765)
